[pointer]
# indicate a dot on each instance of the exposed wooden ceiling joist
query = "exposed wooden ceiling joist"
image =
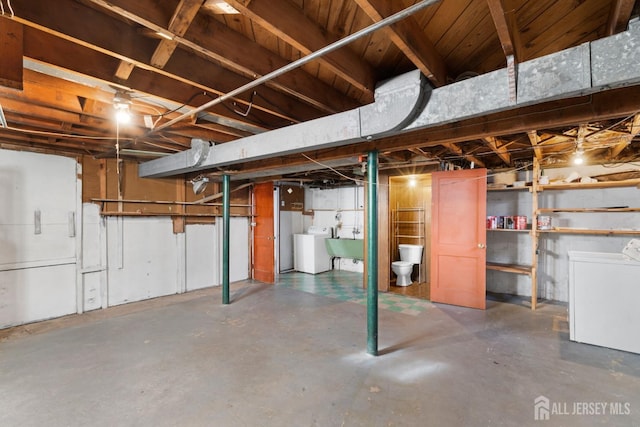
(118, 45)
(503, 27)
(499, 149)
(619, 16)
(625, 140)
(409, 38)
(184, 14)
(453, 147)
(534, 138)
(291, 25)
(235, 52)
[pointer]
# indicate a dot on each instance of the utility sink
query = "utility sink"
(345, 248)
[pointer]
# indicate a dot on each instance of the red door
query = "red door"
(458, 238)
(263, 233)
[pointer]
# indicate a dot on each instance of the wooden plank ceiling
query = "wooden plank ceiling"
(64, 62)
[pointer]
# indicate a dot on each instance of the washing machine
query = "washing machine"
(309, 251)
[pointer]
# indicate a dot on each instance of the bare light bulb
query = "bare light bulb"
(123, 116)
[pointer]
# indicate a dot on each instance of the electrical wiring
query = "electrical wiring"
(9, 6)
(246, 113)
(361, 181)
(333, 170)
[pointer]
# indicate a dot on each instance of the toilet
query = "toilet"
(409, 255)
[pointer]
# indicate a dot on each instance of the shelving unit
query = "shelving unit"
(535, 190)
(528, 270)
(408, 223)
(611, 209)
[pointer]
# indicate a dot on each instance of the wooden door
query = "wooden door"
(458, 238)
(263, 233)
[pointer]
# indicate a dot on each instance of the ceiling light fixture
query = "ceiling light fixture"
(199, 184)
(578, 156)
(122, 104)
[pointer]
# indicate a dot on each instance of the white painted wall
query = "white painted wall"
(348, 202)
(202, 256)
(81, 261)
(291, 222)
(147, 260)
(94, 258)
(238, 249)
(37, 268)
(142, 256)
(553, 265)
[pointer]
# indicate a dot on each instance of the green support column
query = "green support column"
(372, 253)
(225, 239)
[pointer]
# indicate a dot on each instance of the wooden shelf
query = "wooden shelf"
(526, 230)
(591, 231)
(588, 210)
(510, 268)
(525, 188)
(591, 185)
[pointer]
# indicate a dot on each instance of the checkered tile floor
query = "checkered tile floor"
(347, 286)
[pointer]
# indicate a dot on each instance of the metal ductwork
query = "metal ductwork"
(406, 103)
(398, 101)
(592, 67)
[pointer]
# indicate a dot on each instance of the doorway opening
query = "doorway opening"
(410, 229)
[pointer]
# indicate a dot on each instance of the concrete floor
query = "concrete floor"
(278, 356)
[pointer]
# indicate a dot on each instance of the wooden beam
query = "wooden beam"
(634, 129)
(506, 29)
(248, 58)
(49, 104)
(63, 53)
(534, 138)
(619, 16)
(496, 8)
(420, 152)
(11, 52)
(409, 38)
(120, 41)
(182, 17)
(288, 22)
(236, 53)
(452, 146)
(124, 70)
(499, 149)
